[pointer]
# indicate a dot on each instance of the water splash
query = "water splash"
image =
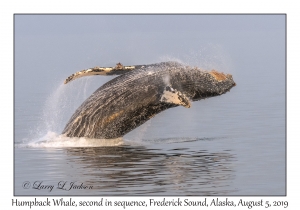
(54, 140)
(207, 57)
(166, 80)
(167, 58)
(59, 107)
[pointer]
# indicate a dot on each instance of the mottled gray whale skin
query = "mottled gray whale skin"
(129, 100)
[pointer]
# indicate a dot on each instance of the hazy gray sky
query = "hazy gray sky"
(101, 24)
(54, 46)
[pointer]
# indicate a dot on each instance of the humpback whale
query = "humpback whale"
(138, 94)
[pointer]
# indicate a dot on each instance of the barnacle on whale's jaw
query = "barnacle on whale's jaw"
(219, 76)
(223, 78)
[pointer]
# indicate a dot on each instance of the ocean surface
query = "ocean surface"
(233, 144)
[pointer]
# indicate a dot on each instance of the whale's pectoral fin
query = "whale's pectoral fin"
(174, 96)
(117, 70)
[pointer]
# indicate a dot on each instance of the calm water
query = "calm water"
(233, 144)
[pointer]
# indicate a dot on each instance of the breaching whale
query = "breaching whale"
(138, 94)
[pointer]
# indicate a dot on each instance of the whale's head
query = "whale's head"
(209, 83)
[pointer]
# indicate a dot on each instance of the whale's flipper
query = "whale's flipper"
(117, 70)
(174, 96)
